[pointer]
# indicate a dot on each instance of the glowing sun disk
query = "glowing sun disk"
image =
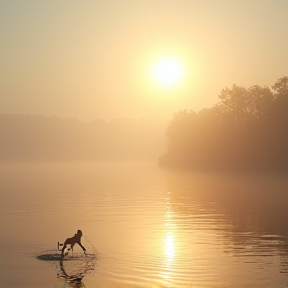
(167, 72)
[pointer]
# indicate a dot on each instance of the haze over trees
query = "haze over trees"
(43, 138)
(246, 130)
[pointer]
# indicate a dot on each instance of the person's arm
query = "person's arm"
(81, 246)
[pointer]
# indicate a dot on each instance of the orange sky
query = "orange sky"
(93, 59)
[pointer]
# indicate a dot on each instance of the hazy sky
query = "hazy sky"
(92, 59)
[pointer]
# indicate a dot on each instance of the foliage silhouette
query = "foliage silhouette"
(245, 131)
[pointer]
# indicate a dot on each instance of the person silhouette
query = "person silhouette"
(72, 241)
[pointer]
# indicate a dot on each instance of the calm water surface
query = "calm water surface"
(146, 227)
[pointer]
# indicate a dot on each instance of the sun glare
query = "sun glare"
(169, 246)
(167, 72)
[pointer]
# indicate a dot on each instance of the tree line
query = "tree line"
(246, 130)
(52, 138)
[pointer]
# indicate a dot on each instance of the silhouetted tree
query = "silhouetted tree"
(234, 104)
(260, 101)
(245, 130)
(281, 86)
(280, 107)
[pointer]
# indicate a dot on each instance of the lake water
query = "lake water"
(142, 227)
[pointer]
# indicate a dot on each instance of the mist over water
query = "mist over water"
(94, 94)
(146, 226)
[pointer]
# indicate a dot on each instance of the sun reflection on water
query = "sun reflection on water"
(169, 244)
(169, 231)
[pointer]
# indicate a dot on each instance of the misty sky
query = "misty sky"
(92, 59)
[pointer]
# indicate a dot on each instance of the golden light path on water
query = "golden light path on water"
(169, 248)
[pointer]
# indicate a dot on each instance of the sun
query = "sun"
(167, 72)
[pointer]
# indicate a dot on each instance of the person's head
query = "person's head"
(79, 232)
